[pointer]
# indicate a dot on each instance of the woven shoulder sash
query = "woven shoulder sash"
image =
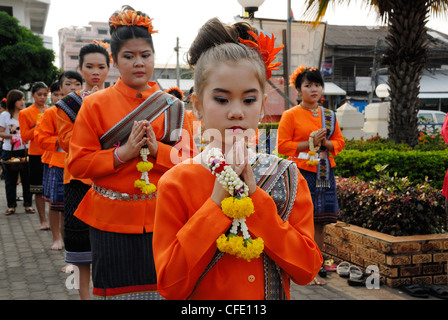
(158, 103)
(70, 105)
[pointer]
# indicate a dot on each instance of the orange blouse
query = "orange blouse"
(27, 119)
(188, 222)
(65, 131)
(100, 112)
(296, 126)
(46, 156)
(46, 135)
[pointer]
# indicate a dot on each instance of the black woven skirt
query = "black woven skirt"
(36, 173)
(76, 232)
(123, 266)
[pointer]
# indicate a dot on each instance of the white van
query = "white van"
(429, 120)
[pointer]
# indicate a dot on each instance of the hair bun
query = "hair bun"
(214, 33)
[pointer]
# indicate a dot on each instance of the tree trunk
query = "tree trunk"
(406, 58)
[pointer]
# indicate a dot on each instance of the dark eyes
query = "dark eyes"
(223, 100)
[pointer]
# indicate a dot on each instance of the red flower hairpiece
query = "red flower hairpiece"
(265, 46)
(131, 18)
(300, 69)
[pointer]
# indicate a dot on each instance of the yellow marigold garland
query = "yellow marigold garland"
(144, 167)
(313, 161)
(238, 207)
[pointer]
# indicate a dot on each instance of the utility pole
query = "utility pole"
(177, 49)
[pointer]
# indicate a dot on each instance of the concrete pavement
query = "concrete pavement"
(29, 270)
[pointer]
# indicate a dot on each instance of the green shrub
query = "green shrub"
(392, 205)
(418, 166)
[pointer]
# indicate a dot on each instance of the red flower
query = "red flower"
(266, 47)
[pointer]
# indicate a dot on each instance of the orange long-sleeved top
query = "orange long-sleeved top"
(65, 131)
(46, 155)
(188, 222)
(295, 126)
(100, 112)
(27, 119)
(46, 135)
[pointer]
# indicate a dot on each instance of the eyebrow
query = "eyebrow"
(220, 90)
(130, 51)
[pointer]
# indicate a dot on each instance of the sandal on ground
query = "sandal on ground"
(330, 266)
(30, 210)
(415, 290)
(343, 269)
(10, 211)
(322, 272)
(438, 292)
(355, 273)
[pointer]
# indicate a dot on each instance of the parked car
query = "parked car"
(430, 121)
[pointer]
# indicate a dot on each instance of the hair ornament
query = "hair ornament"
(265, 46)
(105, 45)
(176, 91)
(300, 69)
(131, 18)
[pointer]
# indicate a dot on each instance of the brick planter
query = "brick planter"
(401, 260)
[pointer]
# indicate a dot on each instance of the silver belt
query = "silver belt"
(115, 195)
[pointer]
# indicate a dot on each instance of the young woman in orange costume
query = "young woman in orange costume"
(311, 137)
(208, 245)
(94, 65)
(28, 119)
(46, 135)
(116, 153)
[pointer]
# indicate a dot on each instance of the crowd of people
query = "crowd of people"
(145, 213)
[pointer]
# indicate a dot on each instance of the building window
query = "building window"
(73, 57)
(8, 10)
(102, 31)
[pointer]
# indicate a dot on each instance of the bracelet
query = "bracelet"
(118, 158)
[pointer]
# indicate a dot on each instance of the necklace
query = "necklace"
(314, 111)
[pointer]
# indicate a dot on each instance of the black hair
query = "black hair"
(37, 86)
(70, 75)
(11, 99)
(310, 74)
(55, 87)
(121, 34)
(93, 48)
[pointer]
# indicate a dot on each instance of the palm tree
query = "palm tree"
(405, 57)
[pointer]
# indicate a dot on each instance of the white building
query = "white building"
(31, 14)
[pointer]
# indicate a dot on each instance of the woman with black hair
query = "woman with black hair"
(13, 147)
(120, 134)
(94, 65)
(310, 135)
(28, 119)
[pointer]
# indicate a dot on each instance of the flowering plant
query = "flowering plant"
(144, 167)
(131, 18)
(237, 207)
(265, 46)
(300, 69)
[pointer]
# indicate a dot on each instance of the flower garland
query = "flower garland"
(300, 69)
(313, 161)
(265, 47)
(238, 207)
(144, 167)
(131, 18)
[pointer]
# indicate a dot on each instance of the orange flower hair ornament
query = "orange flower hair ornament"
(175, 91)
(106, 46)
(131, 18)
(265, 46)
(300, 69)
